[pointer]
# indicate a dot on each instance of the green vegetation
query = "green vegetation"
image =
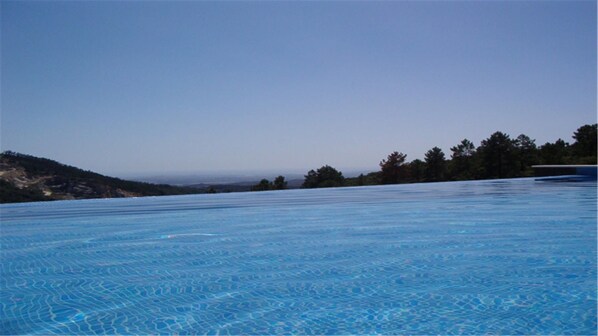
(67, 182)
(11, 194)
(462, 164)
(498, 156)
(435, 164)
(324, 177)
(278, 184)
(585, 147)
(392, 169)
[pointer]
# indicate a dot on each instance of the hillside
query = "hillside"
(26, 178)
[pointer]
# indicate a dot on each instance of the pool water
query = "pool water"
(481, 257)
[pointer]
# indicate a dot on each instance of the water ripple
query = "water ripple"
(485, 257)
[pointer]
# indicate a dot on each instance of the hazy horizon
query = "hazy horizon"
(143, 88)
(222, 177)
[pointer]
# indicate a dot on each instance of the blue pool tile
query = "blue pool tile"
(483, 257)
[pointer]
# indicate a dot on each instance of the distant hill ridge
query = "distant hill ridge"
(26, 178)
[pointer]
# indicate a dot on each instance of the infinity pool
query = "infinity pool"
(486, 257)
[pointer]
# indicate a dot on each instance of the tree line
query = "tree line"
(498, 156)
(279, 183)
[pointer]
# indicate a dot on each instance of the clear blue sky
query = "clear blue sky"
(142, 87)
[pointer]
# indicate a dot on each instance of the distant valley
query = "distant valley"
(213, 179)
(26, 178)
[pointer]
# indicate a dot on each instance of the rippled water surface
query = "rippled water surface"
(499, 257)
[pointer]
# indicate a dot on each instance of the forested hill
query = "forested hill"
(26, 178)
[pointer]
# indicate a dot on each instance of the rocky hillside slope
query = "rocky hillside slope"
(25, 178)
